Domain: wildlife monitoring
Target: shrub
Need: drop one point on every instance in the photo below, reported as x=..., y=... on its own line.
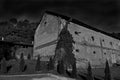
x=74, y=70
x=107, y=71
x=9, y=67
x=50, y=64
x=29, y=57
x=22, y=63
x=37, y=67
x=3, y=65
x=89, y=70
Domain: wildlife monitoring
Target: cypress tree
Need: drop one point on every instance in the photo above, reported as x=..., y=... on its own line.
x=65, y=41
x=107, y=72
x=29, y=57
x=60, y=67
x=89, y=70
x=3, y=65
x=22, y=63
x=37, y=67
x=74, y=71
x=50, y=64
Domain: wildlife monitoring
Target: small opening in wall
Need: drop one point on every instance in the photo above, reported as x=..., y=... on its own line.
x=77, y=32
x=92, y=38
x=77, y=50
x=94, y=52
x=110, y=43
x=45, y=23
x=104, y=53
x=103, y=40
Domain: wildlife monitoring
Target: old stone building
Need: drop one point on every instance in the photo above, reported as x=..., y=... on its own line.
x=11, y=49
x=91, y=44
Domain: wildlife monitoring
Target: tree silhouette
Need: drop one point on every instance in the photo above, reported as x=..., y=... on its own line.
x=3, y=65
x=89, y=70
x=22, y=63
x=107, y=71
x=37, y=67
x=50, y=64
x=65, y=41
x=60, y=67
x=28, y=56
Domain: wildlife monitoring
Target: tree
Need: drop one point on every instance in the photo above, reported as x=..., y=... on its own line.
x=65, y=41
x=37, y=67
x=107, y=71
x=22, y=63
x=60, y=67
x=13, y=20
x=89, y=70
x=3, y=65
x=50, y=64
x=74, y=70
x=29, y=57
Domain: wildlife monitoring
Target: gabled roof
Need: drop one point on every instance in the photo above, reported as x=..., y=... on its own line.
x=80, y=23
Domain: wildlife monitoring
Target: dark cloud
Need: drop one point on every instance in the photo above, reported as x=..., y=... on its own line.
x=103, y=13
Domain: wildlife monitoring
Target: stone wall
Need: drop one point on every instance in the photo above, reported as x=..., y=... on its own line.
x=89, y=45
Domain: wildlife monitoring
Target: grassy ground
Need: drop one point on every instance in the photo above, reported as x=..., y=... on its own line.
x=30, y=70
x=97, y=72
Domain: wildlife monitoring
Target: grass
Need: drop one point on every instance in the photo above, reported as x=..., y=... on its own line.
x=97, y=72
x=29, y=71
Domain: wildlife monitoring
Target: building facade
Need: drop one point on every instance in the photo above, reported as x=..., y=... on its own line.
x=90, y=44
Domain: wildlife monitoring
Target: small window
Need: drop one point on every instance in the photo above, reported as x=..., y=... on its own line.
x=92, y=38
x=103, y=40
x=77, y=32
x=77, y=50
x=111, y=43
x=45, y=22
x=94, y=52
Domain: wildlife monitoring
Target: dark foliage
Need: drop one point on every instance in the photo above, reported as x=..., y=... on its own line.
x=29, y=57
x=25, y=68
x=8, y=68
x=68, y=73
x=38, y=67
x=74, y=70
x=60, y=67
x=65, y=41
x=22, y=63
x=3, y=66
x=83, y=77
x=50, y=64
x=13, y=20
x=107, y=71
x=89, y=70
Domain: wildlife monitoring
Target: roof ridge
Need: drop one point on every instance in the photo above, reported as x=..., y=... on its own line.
x=80, y=23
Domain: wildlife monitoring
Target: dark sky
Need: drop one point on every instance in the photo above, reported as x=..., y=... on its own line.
x=101, y=14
